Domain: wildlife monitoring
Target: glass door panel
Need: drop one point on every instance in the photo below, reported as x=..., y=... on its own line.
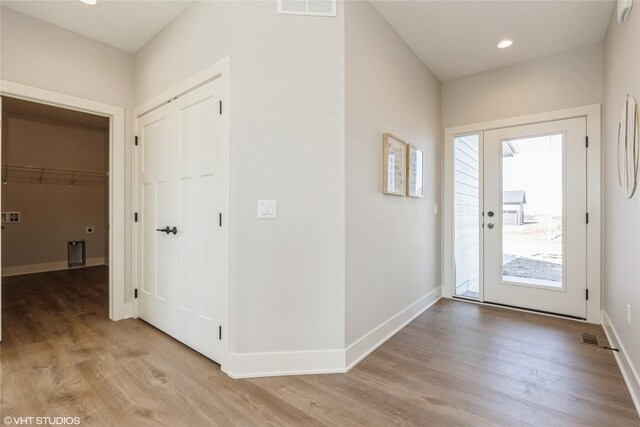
x=532, y=210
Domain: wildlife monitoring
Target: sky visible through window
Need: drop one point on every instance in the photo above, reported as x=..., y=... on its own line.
x=537, y=170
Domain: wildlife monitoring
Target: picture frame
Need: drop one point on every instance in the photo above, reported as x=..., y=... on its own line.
x=394, y=169
x=415, y=171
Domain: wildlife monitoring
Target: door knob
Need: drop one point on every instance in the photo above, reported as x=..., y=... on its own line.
x=490, y=226
x=168, y=230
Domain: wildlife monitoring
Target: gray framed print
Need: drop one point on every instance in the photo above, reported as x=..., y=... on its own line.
x=394, y=170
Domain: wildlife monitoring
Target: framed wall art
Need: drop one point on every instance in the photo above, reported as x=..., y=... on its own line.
x=415, y=172
x=394, y=169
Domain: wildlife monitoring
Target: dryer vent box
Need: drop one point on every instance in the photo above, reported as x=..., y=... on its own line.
x=76, y=254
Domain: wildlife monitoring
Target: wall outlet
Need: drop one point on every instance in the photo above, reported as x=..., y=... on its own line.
x=629, y=314
x=89, y=229
x=10, y=217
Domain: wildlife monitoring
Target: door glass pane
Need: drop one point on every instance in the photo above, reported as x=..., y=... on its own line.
x=467, y=216
x=532, y=210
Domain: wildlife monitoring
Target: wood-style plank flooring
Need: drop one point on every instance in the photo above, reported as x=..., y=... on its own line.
x=456, y=364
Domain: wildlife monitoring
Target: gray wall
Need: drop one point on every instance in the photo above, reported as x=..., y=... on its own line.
x=621, y=216
x=569, y=79
x=52, y=214
x=287, y=143
x=392, y=243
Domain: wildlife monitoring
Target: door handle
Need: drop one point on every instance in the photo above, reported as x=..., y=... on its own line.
x=490, y=226
x=168, y=230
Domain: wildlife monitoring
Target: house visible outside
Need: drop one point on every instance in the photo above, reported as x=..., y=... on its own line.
x=513, y=207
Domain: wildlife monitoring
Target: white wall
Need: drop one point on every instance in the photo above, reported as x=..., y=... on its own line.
x=392, y=243
x=621, y=216
x=287, y=143
x=41, y=55
x=569, y=79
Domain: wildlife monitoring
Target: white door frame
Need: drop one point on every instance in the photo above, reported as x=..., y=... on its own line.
x=118, y=309
x=592, y=113
x=218, y=70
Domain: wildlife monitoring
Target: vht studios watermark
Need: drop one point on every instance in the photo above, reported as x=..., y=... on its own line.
x=41, y=421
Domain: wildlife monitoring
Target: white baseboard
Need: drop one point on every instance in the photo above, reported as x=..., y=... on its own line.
x=626, y=366
x=251, y=365
x=43, y=268
x=374, y=339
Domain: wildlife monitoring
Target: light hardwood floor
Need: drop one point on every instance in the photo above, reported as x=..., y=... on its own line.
x=456, y=364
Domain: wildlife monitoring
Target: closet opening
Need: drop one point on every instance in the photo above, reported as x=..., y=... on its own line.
x=55, y=219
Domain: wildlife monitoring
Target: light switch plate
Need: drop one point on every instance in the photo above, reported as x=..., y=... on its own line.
x=267, y=209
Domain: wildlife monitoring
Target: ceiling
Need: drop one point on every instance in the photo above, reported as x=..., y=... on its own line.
x=459, y=38
x=127, y=25
x=32, y=110
x=453, y=38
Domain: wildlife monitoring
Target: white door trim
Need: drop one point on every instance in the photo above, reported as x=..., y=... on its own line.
x=592, y=113
x=219, y=69
x=118, y=309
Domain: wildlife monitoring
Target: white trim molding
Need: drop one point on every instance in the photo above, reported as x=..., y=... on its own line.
x=364, y=346
x=252, y=365
x=629, y=372
x=18, y=270
x=593, y=116
x=116, y=177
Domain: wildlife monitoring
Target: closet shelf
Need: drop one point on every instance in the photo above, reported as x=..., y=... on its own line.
x=40, y=174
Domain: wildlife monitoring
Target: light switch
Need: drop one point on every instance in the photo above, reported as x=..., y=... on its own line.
x=267, y=209
x=435, y=209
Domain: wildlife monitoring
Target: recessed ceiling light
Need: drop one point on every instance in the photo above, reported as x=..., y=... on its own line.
x=89, y=2
x=504, y=44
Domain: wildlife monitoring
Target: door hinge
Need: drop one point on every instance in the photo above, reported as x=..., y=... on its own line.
x=135, y=141
x=587, y=294
x=135, y=217
x=135, y=293
x=220, y=219
x=586, y=140
x=219, y=332
x=587, y=217
x=220, y=107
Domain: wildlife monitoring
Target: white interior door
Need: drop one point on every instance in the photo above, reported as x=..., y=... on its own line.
x=1, y=209
x=535, y=217
x=184, y=193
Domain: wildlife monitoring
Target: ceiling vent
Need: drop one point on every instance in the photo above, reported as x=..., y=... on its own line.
x=307, y=7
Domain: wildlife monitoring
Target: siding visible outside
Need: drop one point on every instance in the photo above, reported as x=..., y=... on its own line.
x=467, y=215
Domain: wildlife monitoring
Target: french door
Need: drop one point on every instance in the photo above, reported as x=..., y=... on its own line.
x=183, y=196
x=520, y=217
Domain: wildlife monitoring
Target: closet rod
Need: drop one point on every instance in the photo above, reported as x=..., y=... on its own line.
x=57, y=170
